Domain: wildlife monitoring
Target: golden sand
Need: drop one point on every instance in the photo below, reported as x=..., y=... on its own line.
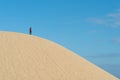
x=26, y=57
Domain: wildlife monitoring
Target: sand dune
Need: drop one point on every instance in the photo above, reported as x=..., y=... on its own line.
x=26, y=57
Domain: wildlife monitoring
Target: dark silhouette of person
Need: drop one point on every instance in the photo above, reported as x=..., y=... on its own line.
x=30, y=31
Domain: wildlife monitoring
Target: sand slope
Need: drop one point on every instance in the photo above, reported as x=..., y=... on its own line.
x=25, y=57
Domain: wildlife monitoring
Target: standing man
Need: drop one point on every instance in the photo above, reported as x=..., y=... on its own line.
x=30, y=31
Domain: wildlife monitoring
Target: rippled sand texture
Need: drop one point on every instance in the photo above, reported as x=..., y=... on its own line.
x=26, y=57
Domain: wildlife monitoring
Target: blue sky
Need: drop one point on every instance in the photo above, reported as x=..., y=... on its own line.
x=91, y=28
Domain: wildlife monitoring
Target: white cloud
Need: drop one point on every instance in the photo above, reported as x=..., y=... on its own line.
x=93, y=31
x=117, y=40
x=114, y=15
x=106, y=55
x=111, y=19
x=95, y=20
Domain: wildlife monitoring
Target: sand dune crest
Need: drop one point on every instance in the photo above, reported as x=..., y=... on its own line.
x=26, y=57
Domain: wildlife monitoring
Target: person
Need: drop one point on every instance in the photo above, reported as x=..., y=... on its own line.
x=30, y=31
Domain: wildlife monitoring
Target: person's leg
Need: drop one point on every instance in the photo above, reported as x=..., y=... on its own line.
x=30, y=32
